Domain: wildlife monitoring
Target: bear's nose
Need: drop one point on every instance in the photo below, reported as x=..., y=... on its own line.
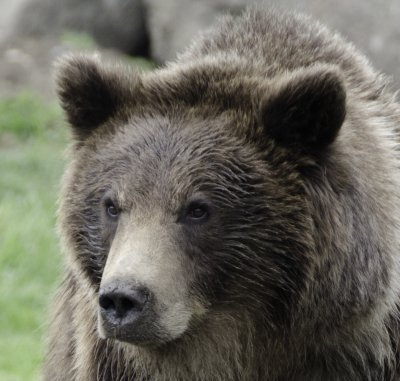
x=122, y=304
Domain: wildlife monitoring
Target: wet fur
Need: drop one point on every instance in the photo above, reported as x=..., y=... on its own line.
x=325, y=307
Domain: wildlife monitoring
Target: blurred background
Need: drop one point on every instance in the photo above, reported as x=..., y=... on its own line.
x=33, y=136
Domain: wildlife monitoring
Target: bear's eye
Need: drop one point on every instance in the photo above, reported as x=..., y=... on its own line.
x=111, y=209
x=197, y=212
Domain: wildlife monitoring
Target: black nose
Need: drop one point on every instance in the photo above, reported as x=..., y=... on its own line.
x=121, y=303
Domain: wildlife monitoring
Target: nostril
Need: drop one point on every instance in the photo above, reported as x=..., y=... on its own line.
x=126, y=305
x=121, y=304
x=106, y=302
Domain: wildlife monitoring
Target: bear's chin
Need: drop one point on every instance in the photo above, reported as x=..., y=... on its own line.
x=142, y=342
x=145, y=340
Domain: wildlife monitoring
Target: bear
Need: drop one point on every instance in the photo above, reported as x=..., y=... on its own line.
x=232, y=215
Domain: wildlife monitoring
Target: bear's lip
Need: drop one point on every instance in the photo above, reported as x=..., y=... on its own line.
x=140, y=339
x=143, y=332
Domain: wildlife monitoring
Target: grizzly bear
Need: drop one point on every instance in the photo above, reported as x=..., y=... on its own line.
x=234, y=215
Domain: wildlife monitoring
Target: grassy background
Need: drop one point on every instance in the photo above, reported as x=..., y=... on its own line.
x=32, y=142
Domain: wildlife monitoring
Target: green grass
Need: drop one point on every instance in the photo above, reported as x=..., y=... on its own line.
x=79, y=40
x=26, y=116
x=32, y=141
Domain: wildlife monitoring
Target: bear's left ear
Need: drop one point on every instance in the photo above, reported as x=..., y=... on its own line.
x=91, y=92
x=306, y=108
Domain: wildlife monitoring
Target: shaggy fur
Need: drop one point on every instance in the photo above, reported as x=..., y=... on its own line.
x=291, y=137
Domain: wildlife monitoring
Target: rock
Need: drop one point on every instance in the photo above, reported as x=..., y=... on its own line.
x=173, y=23
x=8, y=13
x=26, y=65
x=120, y=24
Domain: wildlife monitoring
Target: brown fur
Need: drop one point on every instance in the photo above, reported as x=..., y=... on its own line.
x=293, y=137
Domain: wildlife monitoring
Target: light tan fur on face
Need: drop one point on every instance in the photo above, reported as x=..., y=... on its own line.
x=145, y=255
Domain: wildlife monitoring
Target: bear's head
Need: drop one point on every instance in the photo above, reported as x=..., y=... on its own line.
x=185, y=199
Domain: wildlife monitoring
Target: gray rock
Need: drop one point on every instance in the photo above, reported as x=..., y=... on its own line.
x=120, y=24
x=8, y=12
x=173, y=23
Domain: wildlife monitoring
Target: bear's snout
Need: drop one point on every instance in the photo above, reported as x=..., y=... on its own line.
x=124, y=307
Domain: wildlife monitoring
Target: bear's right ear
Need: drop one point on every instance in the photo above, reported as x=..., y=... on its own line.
x=90, y=92
x=306, y=108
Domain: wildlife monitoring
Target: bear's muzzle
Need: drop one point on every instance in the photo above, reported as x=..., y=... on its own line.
x=126, y=312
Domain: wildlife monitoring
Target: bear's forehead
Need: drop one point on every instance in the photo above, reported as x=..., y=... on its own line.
x=166, y=144
x=169, y=160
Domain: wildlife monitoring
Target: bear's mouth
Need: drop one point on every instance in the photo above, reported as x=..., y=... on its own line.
x=143, y=331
